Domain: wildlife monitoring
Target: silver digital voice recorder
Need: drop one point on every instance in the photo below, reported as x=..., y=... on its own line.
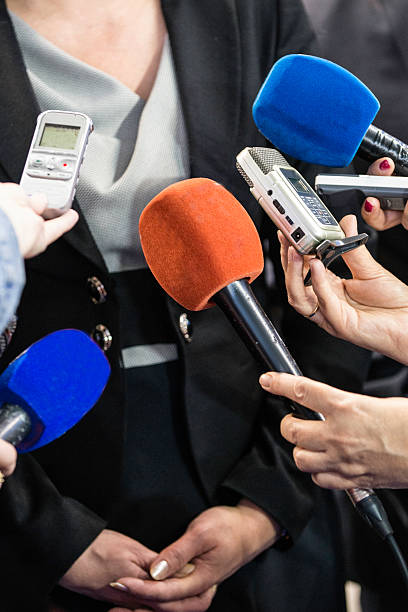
x=287, y=199
x=55, y=157
x=293, y=206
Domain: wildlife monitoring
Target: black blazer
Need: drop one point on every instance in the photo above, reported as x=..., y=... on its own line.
x=59, y=498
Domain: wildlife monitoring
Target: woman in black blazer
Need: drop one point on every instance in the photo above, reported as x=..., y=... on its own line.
x=61, y=499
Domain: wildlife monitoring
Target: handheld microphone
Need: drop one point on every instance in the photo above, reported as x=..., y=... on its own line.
x=203, y=249
x=47, y=389
x=319, y=112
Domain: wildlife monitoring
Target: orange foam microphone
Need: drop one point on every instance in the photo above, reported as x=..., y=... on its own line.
x=203, y=249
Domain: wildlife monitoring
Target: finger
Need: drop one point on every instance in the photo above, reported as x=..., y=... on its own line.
x=329, y=305
x=173, y=558
x=382, y=167
x=312, y=461
x=306, y=434
x=300, y=297
x=333, y=480
x=378, y=218
x=38, y=202
x=55, y=228
x=349, y=225
x=284, y=246
x=360, y=261
x=170, y=589
x=185, y=571
x=309, y=393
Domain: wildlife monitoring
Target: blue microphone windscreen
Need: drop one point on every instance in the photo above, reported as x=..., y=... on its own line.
x=56, y=381
x=314, y=110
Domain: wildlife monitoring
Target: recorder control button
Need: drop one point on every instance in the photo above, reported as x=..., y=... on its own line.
x=66, y=165
x=37, y=161
x=51, y=163
x=297, y=234
x=279, y=206
x=32, y=172
x=289, y=220
x=63, y=175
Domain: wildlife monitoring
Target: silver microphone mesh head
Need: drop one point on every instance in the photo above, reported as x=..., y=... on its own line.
x=267, y=158
x=244, y=175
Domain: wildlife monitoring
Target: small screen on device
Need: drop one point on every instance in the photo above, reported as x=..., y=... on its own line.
x=298, y=184
x=59, y=136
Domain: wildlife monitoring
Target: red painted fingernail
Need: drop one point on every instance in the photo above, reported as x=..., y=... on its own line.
x=385, y=165
x=368, y=207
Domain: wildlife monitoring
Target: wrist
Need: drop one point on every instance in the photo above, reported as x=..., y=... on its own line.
x=261, y=529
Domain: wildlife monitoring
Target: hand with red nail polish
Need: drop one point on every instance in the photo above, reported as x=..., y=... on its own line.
x=372, y=212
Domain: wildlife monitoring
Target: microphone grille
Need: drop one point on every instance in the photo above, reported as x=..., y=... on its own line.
x=244, y=175
x=267, y=158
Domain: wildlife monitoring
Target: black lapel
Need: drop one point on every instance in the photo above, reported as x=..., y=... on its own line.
x=397, y=15
x=204, y=37
x=18, y=115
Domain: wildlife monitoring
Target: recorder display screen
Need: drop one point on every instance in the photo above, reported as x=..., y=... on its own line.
x=59, y=136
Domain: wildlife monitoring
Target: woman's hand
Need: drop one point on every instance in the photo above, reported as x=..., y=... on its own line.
x=217, y=542
x=371, y=211
x=370, y=310
x=363, y=441
x=34, y=233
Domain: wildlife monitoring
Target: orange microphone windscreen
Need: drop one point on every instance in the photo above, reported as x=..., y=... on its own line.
x=197, y=239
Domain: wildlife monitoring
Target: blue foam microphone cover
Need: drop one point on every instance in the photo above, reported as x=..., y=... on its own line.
x=56, y=381
x=314, y=110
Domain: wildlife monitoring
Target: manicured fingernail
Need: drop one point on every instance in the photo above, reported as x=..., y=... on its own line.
x=385, y=164
x=368, y=207
x=265, y=380
x=159, y=571
x=185, y=571
x=118, y=586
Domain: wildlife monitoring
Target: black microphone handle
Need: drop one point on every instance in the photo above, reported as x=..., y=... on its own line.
x=377, y=143
x=243, y=310
x=241, y=307
x=15, y=423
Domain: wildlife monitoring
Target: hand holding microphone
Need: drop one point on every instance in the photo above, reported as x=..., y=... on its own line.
x=202, y=247
x=362, y=442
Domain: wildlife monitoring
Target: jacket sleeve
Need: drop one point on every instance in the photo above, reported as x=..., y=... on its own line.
x=35, y=520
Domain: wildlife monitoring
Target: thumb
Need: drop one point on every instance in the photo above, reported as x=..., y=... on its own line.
x=359, y=261
x=382, y=167
x=174, y=560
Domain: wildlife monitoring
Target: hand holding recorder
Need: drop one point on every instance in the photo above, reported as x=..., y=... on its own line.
x=370, y=309
x=33, y=232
